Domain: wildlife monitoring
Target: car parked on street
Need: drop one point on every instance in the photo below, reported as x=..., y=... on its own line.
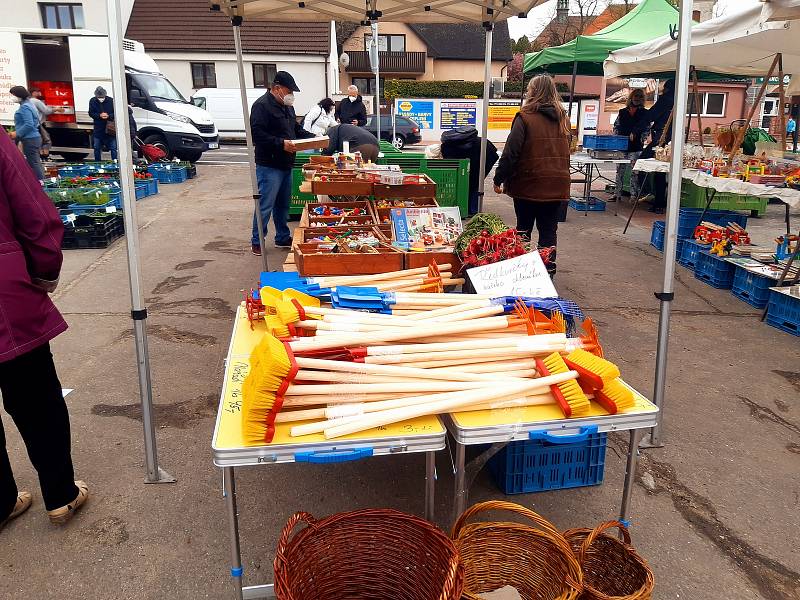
x=406, y=131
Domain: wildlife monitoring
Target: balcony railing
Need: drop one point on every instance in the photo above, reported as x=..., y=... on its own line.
x=390, y=62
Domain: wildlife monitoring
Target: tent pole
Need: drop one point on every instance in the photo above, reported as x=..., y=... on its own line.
x=670, y=237
x=236, y=22
x=377, y=67
x=696, y=94
x=572, y=93
x=782, y=94
x=153, y=474
x=487, y=79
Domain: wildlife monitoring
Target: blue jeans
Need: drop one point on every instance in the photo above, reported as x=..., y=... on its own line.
x=31, y=148
x=275, y=187
x=109, y=141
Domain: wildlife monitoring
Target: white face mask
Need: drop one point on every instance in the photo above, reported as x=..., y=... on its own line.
x=288, y=99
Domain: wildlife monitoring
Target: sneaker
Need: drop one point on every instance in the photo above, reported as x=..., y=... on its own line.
x=255, y=249
x=283, y=244
x=60, y=516
x=24, y=501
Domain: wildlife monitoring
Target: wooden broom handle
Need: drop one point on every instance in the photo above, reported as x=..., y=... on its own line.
x=503, y=342
x=352, y=280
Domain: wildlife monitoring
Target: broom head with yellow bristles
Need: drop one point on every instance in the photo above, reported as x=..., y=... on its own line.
x=569, y=395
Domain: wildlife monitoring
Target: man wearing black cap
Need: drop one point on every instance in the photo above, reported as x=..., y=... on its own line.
x=274, y=125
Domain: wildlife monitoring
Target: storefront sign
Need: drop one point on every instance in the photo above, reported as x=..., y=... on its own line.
x=502, y=113
x=590, y=114
x=458, y=114
x=419, y=111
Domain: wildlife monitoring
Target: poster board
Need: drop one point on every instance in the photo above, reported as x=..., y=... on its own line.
x=502, y=113
x=458, y=114
x=523, y=275
x=419, y=111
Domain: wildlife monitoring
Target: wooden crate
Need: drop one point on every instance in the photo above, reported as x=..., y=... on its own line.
x=419, y=190
x=310, y=263
x=415, y=260
x=342, y=185
x=383, y=216
x=367, y=219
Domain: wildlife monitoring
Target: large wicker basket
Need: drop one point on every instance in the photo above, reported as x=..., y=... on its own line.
x=537, y=561
x=612, y=570
x=375, y=554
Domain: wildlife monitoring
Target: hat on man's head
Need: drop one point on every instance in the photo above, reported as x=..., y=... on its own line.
x=100, y=92
x=285, y=79
x=20, y=92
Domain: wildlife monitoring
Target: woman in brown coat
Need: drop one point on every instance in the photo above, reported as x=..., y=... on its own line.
x=534, y=168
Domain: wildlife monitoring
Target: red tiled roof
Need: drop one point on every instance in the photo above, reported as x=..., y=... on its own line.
x=190, y=25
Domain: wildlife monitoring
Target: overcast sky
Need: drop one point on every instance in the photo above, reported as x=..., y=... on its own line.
x=541, y=15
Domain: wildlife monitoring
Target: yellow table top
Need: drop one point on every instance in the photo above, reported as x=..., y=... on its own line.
x=245, y=339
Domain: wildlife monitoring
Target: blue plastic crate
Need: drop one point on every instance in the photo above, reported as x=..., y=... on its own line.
x=688, y=254
x=547, y=462
x=168, y=173
x=152, y=185
x=689, y=219
x=713, y=270
x=82, y=209
x=657, y=236
x=783, y=312
x=751, y=287
x=141, y=190
x=74, y=171
x=595, y=204
x=679, y=249
x=605, y=142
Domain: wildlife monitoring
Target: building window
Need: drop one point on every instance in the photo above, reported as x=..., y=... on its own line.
x=387, y=43
x=62, y=16
x=366, y=86
x=712, y=104
x=204, y=75
x=263, y=74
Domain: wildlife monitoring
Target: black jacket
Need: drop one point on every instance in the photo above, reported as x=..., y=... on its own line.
x=95, y=108
x=659, y=115
x=345, y=132
x=637, y=124
x=471, y=148
x=350, y=111
x=272, y=123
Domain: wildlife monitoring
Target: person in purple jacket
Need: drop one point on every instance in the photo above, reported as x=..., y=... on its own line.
x=30, y=263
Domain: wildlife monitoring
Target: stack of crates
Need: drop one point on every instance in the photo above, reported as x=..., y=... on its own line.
x=714, y=270
x=783, y=311
x=168, y=173
x=751, y=287
x=694, y=196
x=688, y=220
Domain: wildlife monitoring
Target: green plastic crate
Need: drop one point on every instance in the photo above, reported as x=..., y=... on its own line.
x=694, y=196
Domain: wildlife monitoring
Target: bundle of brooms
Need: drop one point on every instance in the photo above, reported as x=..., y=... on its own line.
x=349, y=373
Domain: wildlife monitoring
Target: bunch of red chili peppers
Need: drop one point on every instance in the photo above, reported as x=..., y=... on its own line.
x=487, y=249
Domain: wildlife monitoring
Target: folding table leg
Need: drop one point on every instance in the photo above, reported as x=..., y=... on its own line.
x=633, y=210
x=430, y=485
x=229, y=491
x=630, y=474
x=460, y=481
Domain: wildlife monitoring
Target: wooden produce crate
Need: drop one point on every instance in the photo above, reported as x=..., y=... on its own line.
x=415, y=260
x=342, y=185
x=310, y=260
x=410, y=190
x=308, y=217
x=382, y=214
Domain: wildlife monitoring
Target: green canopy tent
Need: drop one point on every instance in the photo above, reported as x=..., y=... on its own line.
x=585, y=54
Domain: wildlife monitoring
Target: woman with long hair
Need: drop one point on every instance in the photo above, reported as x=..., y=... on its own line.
x=534, y=168
x=632, y=122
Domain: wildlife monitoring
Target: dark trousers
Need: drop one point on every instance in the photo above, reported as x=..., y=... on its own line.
x=660, y=190
x=32, y=396
x=543, y=214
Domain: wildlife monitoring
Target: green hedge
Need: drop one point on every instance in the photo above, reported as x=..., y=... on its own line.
x=409, y=88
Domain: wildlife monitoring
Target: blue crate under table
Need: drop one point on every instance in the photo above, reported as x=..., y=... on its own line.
x=688, y=254
x=657, y=236
x=783, y=311
x=546, y=462
x=595, y=204
x=714, y=270
x=751, y=287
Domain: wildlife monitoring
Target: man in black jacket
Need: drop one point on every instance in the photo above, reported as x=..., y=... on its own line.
x=359, y=140
x=274, y=125
x=351, y=109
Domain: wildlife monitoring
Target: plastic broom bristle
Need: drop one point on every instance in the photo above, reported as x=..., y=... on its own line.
x=287, y=312
x=619, y=394
x=271, y=368
x=604, y=369
x=573, y=394
x=301, y=297
x=276, y=326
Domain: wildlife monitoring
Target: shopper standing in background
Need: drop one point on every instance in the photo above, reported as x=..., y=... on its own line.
x=26, y=130
x=320, y=118
x=352, y=110
x=274, y=125
x=632, y=122
x=101, y=109
x=44, y=112
x=30, y=263
x=534, y=167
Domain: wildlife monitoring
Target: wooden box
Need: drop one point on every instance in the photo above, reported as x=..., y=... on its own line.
x=383, y=216
x=415, y=190
x=415, y=260
x=339, y=184
x=368, y=218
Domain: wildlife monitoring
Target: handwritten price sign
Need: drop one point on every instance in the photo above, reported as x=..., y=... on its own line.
x=523, y=275
x=238, y=372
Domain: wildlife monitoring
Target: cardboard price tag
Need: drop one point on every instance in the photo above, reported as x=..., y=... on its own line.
x=111, y=209
x=523, y=275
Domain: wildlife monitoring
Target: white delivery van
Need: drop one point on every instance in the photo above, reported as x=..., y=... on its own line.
x=225, y=107
x=67, y=65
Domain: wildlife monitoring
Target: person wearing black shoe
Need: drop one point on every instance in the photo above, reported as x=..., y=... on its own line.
x=659, y=114
x=274, y=125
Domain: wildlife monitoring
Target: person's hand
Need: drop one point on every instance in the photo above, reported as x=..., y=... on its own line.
x=498, y=189
x=288, y=146
x=12, y=135
x=103, y=115
x=60, y=109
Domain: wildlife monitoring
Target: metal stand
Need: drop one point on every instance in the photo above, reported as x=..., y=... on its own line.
x=153, y=473
x=487, y=79
x=236, y=22
x=630, y=474
x=666, y=295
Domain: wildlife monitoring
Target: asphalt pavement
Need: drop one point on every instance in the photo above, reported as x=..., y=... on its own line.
x=714, y=511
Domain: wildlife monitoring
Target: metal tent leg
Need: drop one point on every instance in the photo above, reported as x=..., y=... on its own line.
x=630, y=474
x=460, y=491
x=487, y=79
x=153, y=473
x=237, y=41
x=430, y=485
x=229, y=492
x=666, y=295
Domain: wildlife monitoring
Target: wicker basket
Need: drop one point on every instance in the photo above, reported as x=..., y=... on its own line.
x=375, y=554
x=612, y=570
x=537, y=561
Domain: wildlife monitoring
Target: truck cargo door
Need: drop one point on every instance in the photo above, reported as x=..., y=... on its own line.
x=12, y=72
x=91, y=66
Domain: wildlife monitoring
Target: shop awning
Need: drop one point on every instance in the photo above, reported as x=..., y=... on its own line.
x=650, y=19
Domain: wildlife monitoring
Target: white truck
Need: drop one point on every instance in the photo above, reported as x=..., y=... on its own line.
x=67, y=65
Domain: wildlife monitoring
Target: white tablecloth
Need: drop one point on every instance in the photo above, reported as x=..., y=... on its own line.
x=723, y=184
